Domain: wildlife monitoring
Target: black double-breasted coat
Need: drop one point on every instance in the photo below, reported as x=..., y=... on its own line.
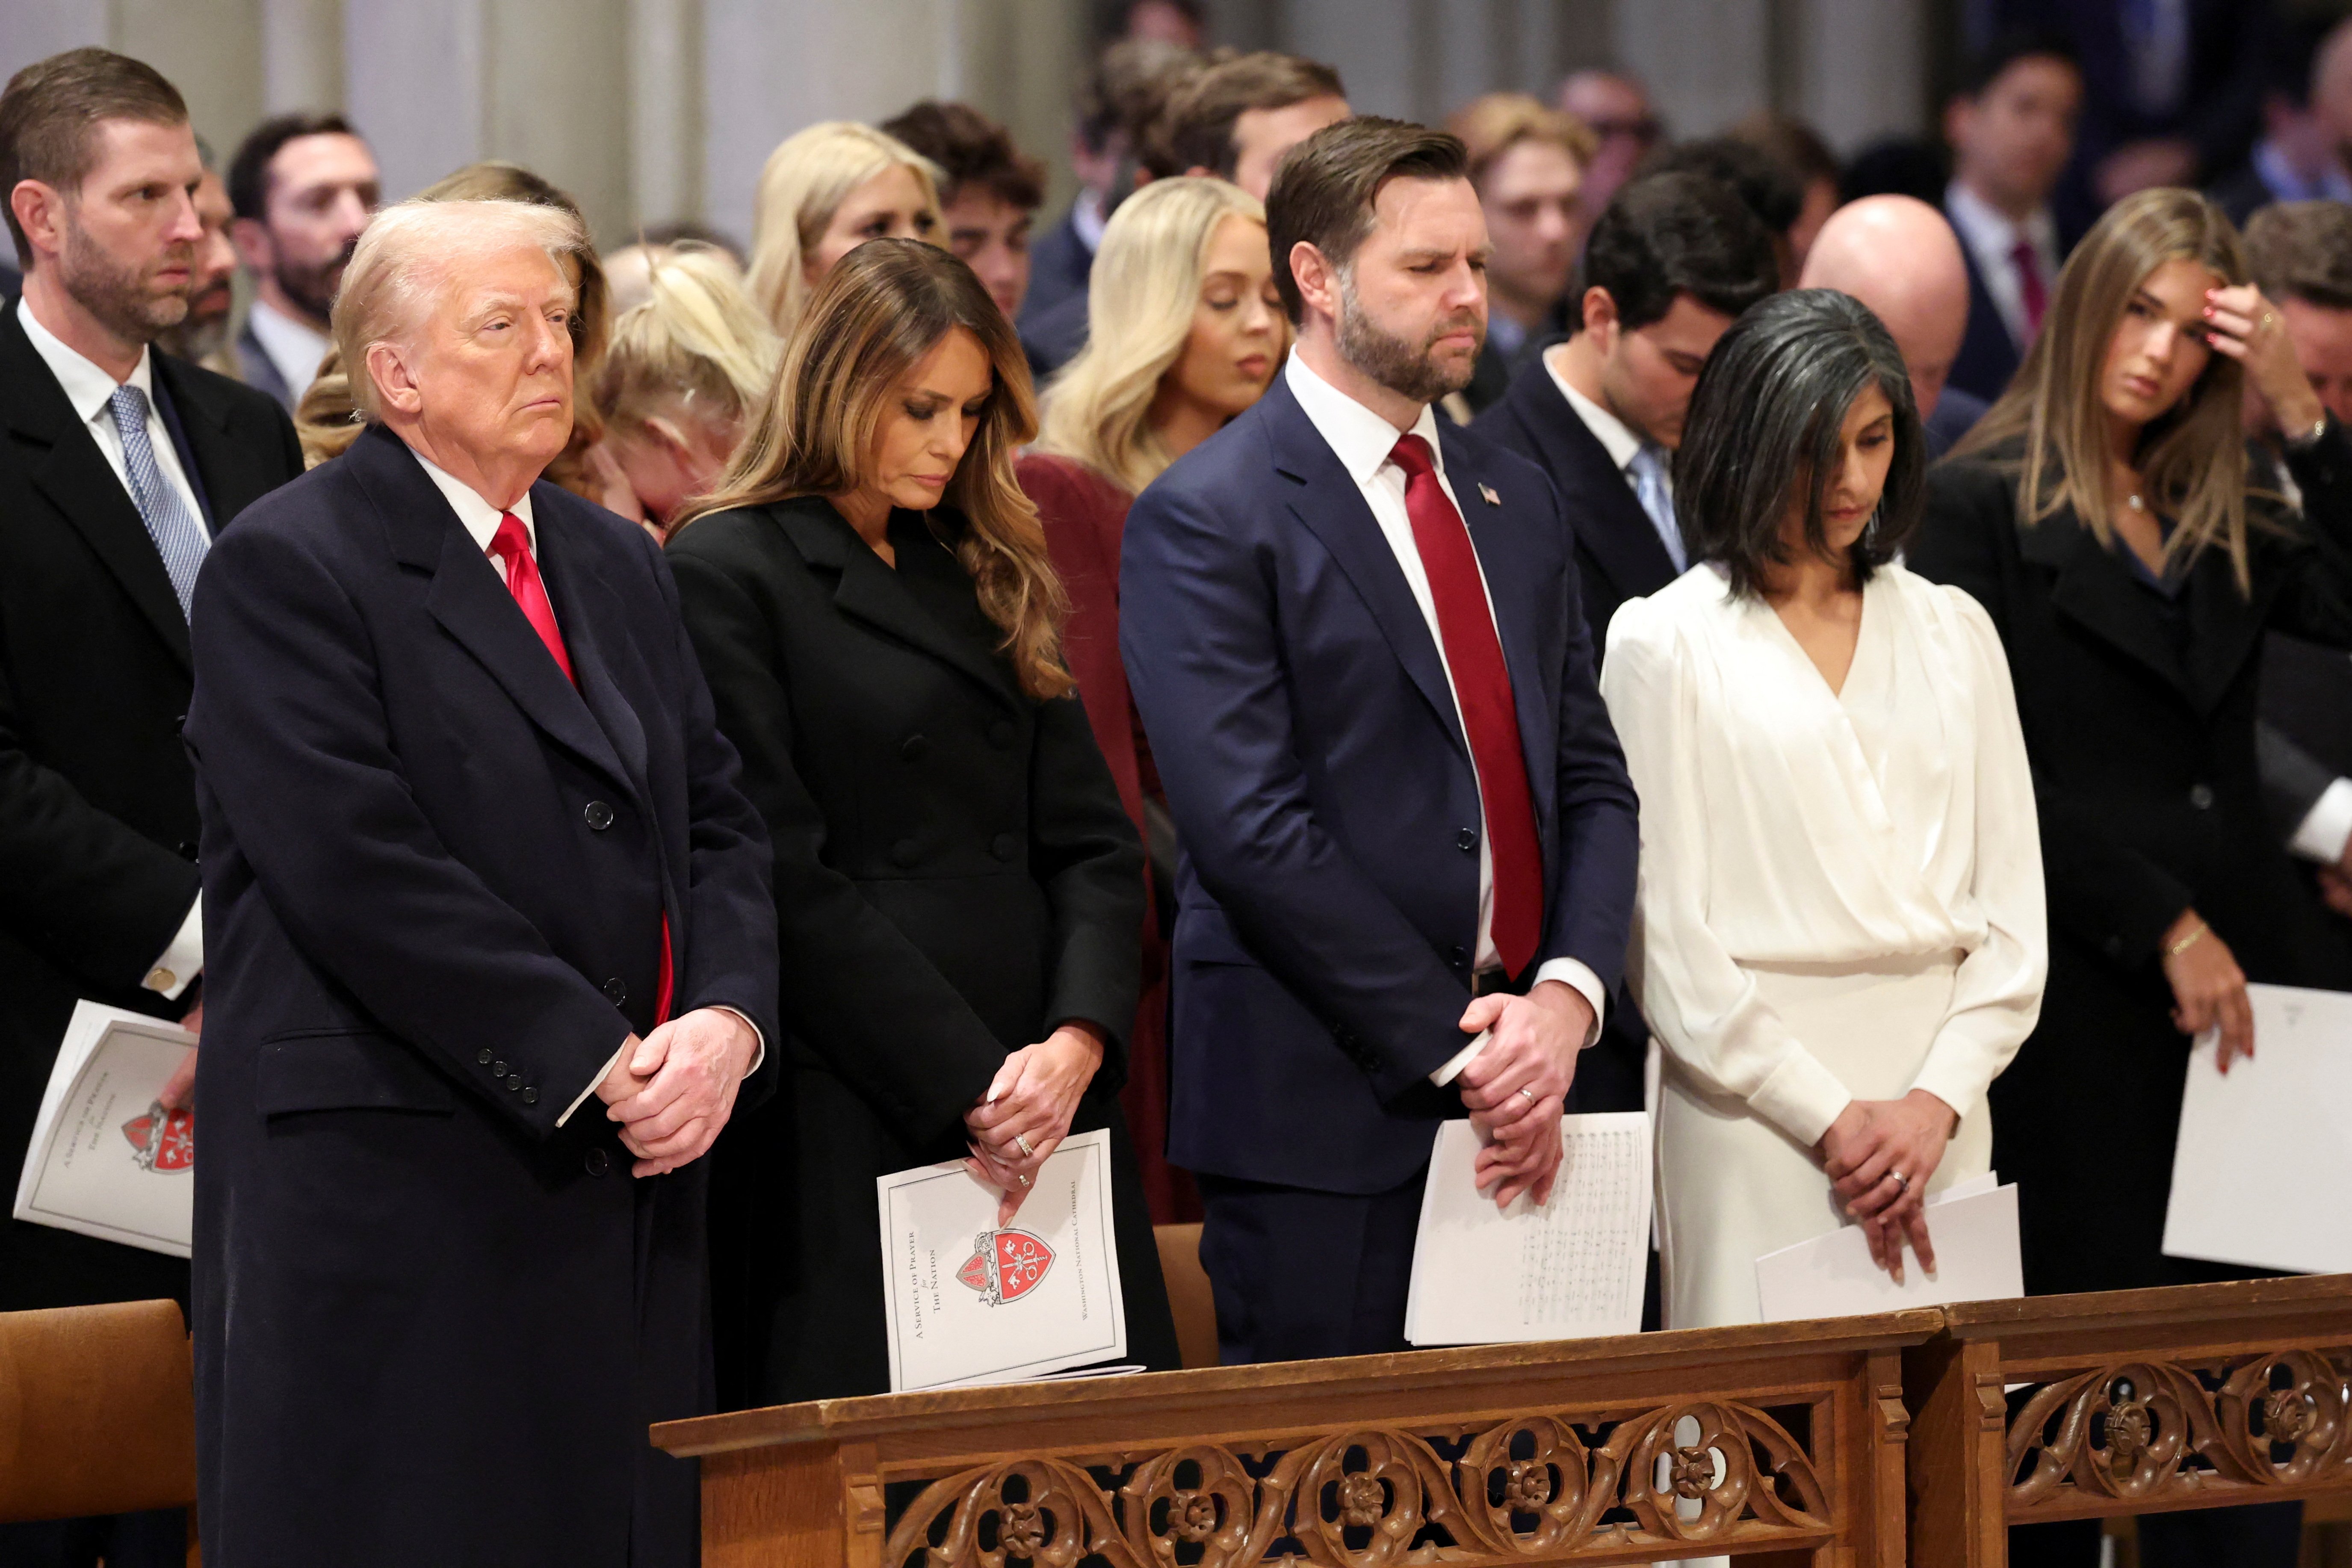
x=2139, y=716
x=954, y=878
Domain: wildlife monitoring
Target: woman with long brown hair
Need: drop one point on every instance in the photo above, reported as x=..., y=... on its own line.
x=2102, y=515
x=961, y=893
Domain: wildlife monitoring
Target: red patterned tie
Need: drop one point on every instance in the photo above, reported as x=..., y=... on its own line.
x=2030, y=294
x=511, y=545
x=1482, y=687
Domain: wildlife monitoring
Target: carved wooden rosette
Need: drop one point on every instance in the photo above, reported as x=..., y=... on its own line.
x=2146, y=1430
x=1528, y=1489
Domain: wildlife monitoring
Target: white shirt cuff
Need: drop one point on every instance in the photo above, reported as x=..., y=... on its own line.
x=1568, y=972
x=176, y=968
x=759, y=1056
x=2325, y=828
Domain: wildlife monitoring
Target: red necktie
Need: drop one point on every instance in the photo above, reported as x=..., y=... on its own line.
x=2030, y=292
x=1482, y=687
x=511, y=545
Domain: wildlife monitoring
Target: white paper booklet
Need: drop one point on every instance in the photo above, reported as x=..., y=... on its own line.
x=1973, y=1225
x=2277, y=1130
x=970, y=1303
x=106, y=1159
x=1570, y=1269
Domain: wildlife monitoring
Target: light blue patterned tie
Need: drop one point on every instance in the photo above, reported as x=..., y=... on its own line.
x=179, y=535
x=1649, y=470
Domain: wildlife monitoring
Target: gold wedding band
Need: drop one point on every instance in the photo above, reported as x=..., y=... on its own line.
x=1026, y=1151
x=2267, y=319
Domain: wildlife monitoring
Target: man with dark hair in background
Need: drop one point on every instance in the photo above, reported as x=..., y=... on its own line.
x=2012, y=128
x=1527, y=162
x=1763, y=186
x=2306, y=125
x=1409, y=864
x=1117, y=99
x=303, y=186
x=1235, y=117
x=118, y=466
x=201, y=336
x=990, y=195
x=1671, y=261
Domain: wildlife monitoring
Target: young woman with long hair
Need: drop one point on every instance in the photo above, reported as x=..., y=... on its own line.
x=2102, y=515
x=1184, y=331
x=962, y=897
x=824, y=192
x=1839, y=936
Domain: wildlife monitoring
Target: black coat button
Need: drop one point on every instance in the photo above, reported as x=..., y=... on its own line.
x=179, y=723
x=187, y=850
x=2113, y=946
x=1004, y=846
x=615, y=992
x=498, y=1069
x=2201, y=797
x=485, y=1058
x=599, y=815
x=530, y=1097
x=914, y=748
x=999, y=732
x=514, y=1083
x=1459, y=956
x=596, y=1163
x=1466, y=841
x=903, y=853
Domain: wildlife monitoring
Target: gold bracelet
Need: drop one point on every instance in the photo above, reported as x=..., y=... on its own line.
x=2186, y=943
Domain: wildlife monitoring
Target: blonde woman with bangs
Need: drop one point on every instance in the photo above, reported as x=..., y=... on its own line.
x=682, y=372
x=961, y=895
x=2102, y=515
x=1185, y=331
x=825, y=192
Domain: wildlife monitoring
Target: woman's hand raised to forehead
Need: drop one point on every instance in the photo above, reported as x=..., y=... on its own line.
x=2248, y=328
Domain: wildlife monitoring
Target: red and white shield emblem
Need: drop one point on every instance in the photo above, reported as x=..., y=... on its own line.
x=165, y=1141
x=1005, y=1265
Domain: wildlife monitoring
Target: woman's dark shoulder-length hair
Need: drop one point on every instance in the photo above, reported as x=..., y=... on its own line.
x=1767, y=416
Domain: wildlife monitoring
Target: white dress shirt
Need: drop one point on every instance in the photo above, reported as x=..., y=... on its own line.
x=1362, y=440
x=480, y=520
x=90, y=390
x=294, y=347
x=1991, y=238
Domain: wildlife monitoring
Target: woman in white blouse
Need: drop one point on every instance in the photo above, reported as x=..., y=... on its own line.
x=1839, y=938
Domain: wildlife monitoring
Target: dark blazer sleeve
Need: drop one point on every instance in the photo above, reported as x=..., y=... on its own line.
x=2114, y=898
x=290, y=739
x=853, y=988
x=1600, y=827
x=90, y=894
x=2315, y=601
x=1088, y=857
x=731, y=961
x=1198, y=625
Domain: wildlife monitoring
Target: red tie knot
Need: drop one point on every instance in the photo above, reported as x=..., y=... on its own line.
x=1412, y=455
x=510, y=540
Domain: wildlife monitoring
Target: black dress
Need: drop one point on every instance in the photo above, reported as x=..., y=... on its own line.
x=2139, y=703
x=955, y=877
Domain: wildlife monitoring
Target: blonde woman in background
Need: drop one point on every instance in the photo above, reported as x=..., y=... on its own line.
x=825, y=192
x=681, y=372
x=327, y=420
x=1184, y=331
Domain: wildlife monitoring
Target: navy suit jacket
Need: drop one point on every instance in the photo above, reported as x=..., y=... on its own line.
x=1987, y=358
x=260, y=372
x=435, y=876
x=1299, y=713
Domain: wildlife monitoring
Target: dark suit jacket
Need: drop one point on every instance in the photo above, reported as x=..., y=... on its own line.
x=1308, y=739
x=1956, y=413
x=954, y=879
x=260, y=372
x=1619, y=555
x=98, y=807
x=1988, y=357
x=432, y=1326
x=1052, y=338
x=2139, y=722
x=1059, y=267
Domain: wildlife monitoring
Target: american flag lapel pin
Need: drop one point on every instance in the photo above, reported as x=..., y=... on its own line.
x=1486, y=493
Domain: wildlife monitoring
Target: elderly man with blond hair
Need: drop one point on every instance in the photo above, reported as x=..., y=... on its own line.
x=491, y=957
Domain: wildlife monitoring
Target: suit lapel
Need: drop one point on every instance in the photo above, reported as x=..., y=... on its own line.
x=1327, y=500
x=575, y=585
x=877, y=595
x=2223, y=626
x=2095, y=590
x=1602, y=508
x=473, y=606
x=76, y=477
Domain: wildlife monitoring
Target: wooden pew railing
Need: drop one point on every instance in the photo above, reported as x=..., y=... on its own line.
x=1783, y=1443
x=2127, y=1402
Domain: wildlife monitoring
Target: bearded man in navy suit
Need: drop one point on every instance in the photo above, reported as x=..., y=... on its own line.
x=1355, y=638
